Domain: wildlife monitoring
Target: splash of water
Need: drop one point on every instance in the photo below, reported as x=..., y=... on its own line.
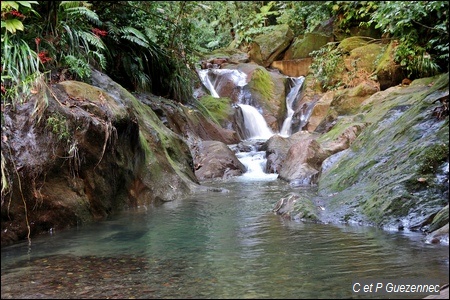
x=255, y=161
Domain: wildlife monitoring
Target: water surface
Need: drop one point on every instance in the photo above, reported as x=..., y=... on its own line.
x=215, y=245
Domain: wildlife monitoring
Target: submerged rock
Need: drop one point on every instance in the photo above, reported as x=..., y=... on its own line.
x=296, y=207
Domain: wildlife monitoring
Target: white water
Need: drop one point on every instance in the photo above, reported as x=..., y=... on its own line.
x=290, y=99
x=255, y=161
x=207, y=83
x=237, y=77
x=255, y=123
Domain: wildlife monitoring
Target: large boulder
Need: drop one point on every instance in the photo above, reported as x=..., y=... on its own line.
x=293, y=67
x=303, y=45
x=389, y=73
x=303, y=162
x=83, y=154
x=404, y=185
x=265, y=48
x=297, y=207
x=214, y=159
x=277, y=147
x=186, y=121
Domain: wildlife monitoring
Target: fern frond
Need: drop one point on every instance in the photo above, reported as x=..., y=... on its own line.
x=70, y=4
x=71, y=41
x=151, y=35
x=91, y=39
x=136, y=40
x=99, y=58
x=134, y=35
x=84, y=12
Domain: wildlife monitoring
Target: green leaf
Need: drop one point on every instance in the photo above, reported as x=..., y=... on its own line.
x=13, y=24
x=13, y=4
x=27, y=3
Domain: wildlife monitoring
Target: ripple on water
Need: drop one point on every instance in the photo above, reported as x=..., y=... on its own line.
x=214, y=245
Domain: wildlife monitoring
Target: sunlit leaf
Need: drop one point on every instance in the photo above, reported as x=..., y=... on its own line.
x=13, y=24
x=27, y=3
x=12, y=4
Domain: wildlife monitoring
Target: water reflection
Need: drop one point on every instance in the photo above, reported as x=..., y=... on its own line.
x=215, y=245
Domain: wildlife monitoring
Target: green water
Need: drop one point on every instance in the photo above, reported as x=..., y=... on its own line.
x=215, y=245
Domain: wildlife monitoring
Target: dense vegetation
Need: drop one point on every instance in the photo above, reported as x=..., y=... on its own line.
x=155, y=45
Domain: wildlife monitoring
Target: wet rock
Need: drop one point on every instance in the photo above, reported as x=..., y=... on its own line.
x=214, y=159
x=296, y=207
x=303, y=162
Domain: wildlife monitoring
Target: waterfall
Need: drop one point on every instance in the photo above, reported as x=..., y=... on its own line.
x=254, y=123
x=255, y=162
x=296, y=83
x=216, y=80
x=306, y=112
x=207, y=83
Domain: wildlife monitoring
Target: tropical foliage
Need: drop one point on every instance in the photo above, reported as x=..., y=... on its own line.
x=154, y=45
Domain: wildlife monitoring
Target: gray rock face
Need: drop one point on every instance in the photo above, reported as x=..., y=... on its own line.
x=303, y=162
x=214, y=159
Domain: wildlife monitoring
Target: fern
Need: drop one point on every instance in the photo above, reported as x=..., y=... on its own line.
x=98, y=57
x=90, y=38
x=80, y=9
x=78, y=66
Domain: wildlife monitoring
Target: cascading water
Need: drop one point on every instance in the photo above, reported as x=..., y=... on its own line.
x=216, y=80
x=296, y=83
x=254, y=160
x=207, y=83
x=255, y=126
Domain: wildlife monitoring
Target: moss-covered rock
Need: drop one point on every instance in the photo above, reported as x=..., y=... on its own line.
x=91, y=152
x=348, y=101
x=374, y=186
x=387, y=72
x=266, y=47
x=348, y=44
x=303, y=46
x=268, y=90
x=297, y=207
x=219, y=108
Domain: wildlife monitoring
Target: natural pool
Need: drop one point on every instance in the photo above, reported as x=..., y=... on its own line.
x=215, y=245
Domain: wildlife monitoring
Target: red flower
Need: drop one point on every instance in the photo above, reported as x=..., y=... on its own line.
x=37, y=40
x=16, y=14
x=99, y=32
x=43, y=57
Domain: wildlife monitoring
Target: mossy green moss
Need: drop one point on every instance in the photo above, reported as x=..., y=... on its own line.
x=388, y=173
x=262, y=83
x=433, y=157
x=348, y=44
x=219, y=109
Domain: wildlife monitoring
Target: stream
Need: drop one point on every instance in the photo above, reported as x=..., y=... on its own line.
x=218, y=245
x=215, y=245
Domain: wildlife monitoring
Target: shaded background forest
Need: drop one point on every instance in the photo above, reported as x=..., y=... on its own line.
x=155, y=46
